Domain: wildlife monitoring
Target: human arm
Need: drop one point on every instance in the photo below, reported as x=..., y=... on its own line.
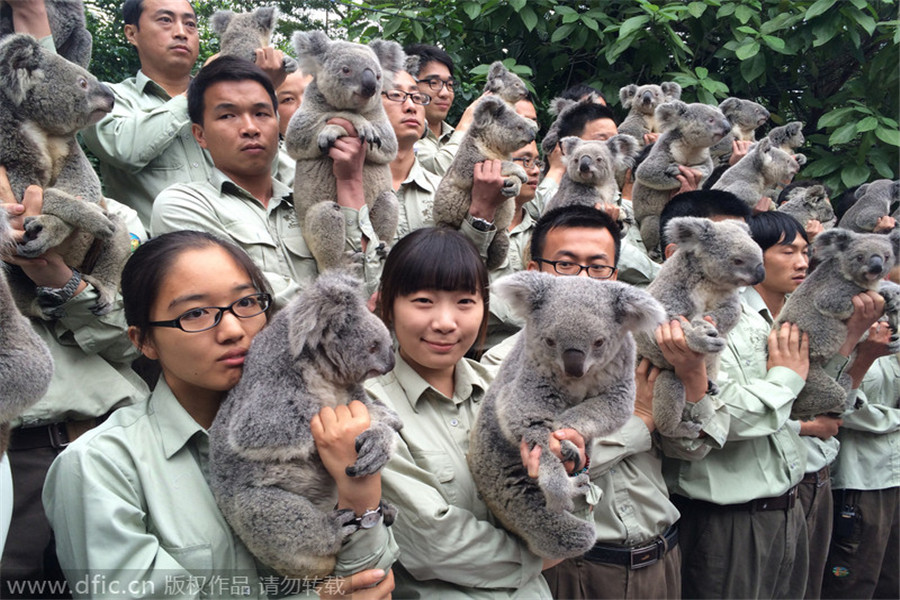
x=349, y=156
x=689, y=366
x=690, y=180
x=877, y=409
x=822, y=427
x=868, y=307
x=30, y=16
x=372, y=584
x=739, y=149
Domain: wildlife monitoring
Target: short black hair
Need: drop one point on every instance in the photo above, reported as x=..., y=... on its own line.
x=574, y=122
x=224, y=68
x=428, y=53
x=133, y=9
x=573, y=216
x=580, y=90
x=770, y=228
x=702, y=203
x=805, y=183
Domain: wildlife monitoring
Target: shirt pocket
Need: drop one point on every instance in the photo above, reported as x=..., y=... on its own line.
x=196, y=560
x=441, y=468
x=256, y=241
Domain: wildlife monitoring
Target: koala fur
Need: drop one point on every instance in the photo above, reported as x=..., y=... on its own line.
x=848, y=263
x=745, y=116
x=873, y=201
x=496, y=132
x=701, y=279
x=688, y=132
x=805, y=203
x=561, y=107
x=44, y=101
x=25, y=363
x=265, y=472
x=240, y=34
x=67, y=24
x=788, y=137
x=504, y=83
x=642, y=102
x=763, y=167
x=590, y=170
x=563, y=372
x=348, y=79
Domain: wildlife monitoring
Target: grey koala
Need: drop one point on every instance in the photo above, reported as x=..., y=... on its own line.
x=504, y=83
x=67, y=24
x=811, y=202
x=348, y=79
x=642, y=102
x=572, y=367
x=240, y=34
x=745, y=116
x=25, y=363
x=873, y=201
x=701, y=279
x=848, y=263
x=44, y=101
x=560, y=107
x=496, y=132
x=265, y=472
x=789, y=137
x=688, y=132
x=763, y=167
x=590, y=170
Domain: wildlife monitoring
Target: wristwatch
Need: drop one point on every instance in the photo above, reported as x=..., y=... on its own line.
x=50, y=298
x=479, y=224
x=368, y=519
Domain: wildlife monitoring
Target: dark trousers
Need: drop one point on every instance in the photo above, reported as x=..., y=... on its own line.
x=580, y=579
x=740, y=553
x=815, y=497
x=864, y=558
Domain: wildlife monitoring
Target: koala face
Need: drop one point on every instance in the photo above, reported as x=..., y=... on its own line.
x=863, y=258
x=348, y=75
x=777, y=165
x=48, y=90
x=594, y=162
x=505, y=83
x=699, y=125
x=500, y=128
x=815, y=198
x=723, y=251
x=744, y=114
x=787, y=136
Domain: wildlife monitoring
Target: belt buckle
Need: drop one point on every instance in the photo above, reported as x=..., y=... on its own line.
x=644, y=556
x=59, y=437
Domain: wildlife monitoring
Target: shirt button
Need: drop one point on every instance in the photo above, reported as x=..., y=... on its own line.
x=195, y=165
x=454, y=422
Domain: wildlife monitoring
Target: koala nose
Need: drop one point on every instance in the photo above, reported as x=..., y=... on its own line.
x=107, y=94
x=759, y=275
x=573, y=362
x=584, y=164
x=647, y=97
x=367, y=83
x=876, y=264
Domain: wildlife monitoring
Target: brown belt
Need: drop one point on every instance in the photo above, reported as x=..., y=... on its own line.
x=54, y=435
x=819, y=478
x=635, y=557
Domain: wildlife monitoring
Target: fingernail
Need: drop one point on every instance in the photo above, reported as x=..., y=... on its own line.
x=17, y=208
x=379, y=573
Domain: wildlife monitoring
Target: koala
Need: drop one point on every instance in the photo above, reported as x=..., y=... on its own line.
x=805, y=203
x=496, y=132
x=44, y=101
x=789, y=137
x=848, y=263
x=763, y=167
x=241, y=34
x=563, y=372
x=347, y=83
x=560, y=107
x=642, y=102
x=504, y=83
x=873, y=201
x=700, y=280
x=590, y=170
x=67, y=24
x=25, y=363
x=265, y=472
x=688, y=132
x=745, y=116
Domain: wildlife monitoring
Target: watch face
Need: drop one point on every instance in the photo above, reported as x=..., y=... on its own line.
x=370, y=519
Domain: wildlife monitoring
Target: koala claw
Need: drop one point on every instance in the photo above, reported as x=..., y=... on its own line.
x=511, y=187
x=372, y=453
x=703, y=336
x=344, y=519
x=569, y=452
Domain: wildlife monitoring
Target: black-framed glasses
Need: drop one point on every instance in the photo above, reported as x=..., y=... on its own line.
x=528, y=163
x=207, y=317
x=569, y=268
x=436, y=84
x=399, y=96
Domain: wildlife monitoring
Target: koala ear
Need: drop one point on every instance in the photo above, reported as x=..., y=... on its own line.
x=20, y=66
x=486, y=110
x=390, y=55
x=688, y=232
x=569, y=144
x=311, y=47
x=328, y=301
x=832, y=242
x=669, y=113
x=413, y=64
x=220, y=20
x=764, y=145
x=266, y=17
x=671, y=89
x=729, y=104
x=495, y=77
x=635, y=309
x=524, y=291
x=626, y=95
x=623, y=147
x=557, y=105
x=861, y=191
x=894, y=237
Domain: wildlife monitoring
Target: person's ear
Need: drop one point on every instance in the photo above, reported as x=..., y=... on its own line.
x=197, y=130
x=670, y=250
x=129, y=33
x=147, y=348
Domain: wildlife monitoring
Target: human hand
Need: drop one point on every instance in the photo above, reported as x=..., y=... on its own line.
x=271, y=61
x=739, y=149
x=822, y=427
x=765, y=204
x=372, y=584
x=487, y=184
x=644, y=378
x=531, y=459
x=868, y=307
x=813, y=228
x=884, y=224
x=612, y=210
x=650, y=138
x=465, y=121
x=689, y=179
x=30, y=16
x=788, y=347
x=689, y=366
x=876, y=343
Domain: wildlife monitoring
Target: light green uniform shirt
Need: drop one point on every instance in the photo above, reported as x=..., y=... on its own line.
x=436, y=153
x=870, y=436
x=270, y=235
x=763, y=455
x=416, y=199
x=819, y=452
x=145, y=144
x=130, y=500
x=450, y=546
x=502, y=323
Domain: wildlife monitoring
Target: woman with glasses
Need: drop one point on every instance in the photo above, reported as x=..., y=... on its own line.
x=130, y=502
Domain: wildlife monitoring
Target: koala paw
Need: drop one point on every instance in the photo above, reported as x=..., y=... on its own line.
x=36, y=239
x=702, y=336
x=569, y=452
x=712, y=388
x=581, y=484
x=345, y=521
x=328, y=136
x=373, y=450
x=511, y=187
x=370, y=135
x=672, y=171
x=382, y=250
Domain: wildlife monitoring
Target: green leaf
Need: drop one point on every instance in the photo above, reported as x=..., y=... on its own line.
x=888, y=136
x=631, y=25
x=854, y=175
x=775, y=24
x=564, y=10
x=881, y=165
x=746, y=51
x=561, y=33
x=701, y=72
x=725, y=11
x=842, y=134
x=867, y=124
x=743, y=13
x=746, y=29
x=865, y=21
x=570, y=18
x=860, y=4
x=705, y=97
x=696, y=9
x=819, y=7
x=481, y=69
x=590, y=23
x=823, y=167
x=889, y=122
x=418, y=31
x=773, y=42
x=529, y=18
x=472, y=9
x=830, y=119
x=517, y=5
x=753, y=68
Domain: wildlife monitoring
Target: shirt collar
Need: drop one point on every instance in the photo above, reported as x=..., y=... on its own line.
x=141, y=81
x=465, y=381
x=418, y=176
x=221, y=182
x=176, y=426
x=752, y=299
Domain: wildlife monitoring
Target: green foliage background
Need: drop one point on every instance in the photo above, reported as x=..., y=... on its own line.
x=833, y=64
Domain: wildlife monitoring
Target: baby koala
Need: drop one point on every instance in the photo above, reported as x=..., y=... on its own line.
x=572, y=367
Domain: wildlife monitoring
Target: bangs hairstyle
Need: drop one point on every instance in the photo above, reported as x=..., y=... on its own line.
x=770, y=228
x=144, y=272
x=432, y=258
